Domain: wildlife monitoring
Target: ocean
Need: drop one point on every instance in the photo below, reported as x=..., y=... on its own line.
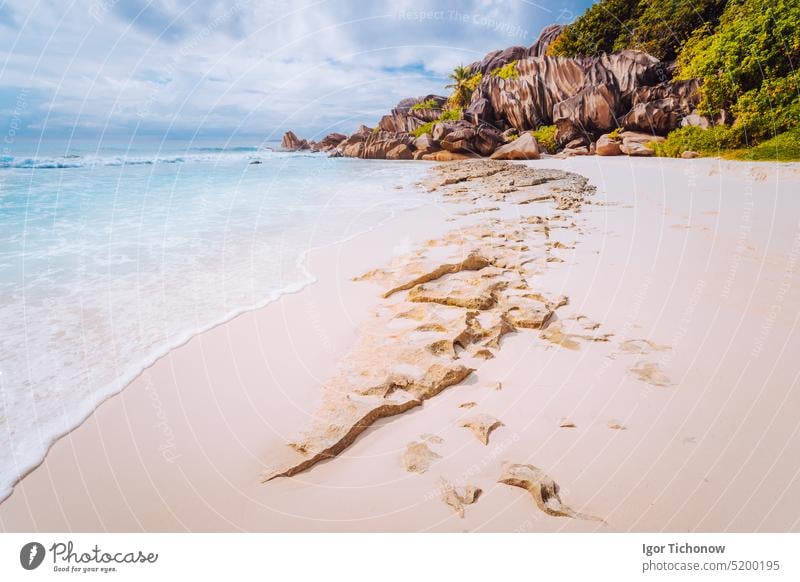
x=111, y=256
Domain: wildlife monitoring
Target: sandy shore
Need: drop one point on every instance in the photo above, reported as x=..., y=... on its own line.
x=661, y=397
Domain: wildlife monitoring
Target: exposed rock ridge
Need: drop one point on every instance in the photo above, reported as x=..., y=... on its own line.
x=584, y=97
x=445, y=308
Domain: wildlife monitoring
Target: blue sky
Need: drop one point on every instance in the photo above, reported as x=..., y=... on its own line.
x=240, y=67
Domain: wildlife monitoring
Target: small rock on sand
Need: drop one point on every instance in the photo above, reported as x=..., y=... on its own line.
x=482, y=426
x=651, y=373
x=543, y=489
x=458, y=497
x=418, y=457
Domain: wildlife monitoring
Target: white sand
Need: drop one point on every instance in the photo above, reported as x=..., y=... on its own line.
x=701, y=256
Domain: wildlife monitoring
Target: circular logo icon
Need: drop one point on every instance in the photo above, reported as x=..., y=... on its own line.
x=31, y=555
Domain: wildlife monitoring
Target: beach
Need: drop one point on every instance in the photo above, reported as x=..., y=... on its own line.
x=652, y=387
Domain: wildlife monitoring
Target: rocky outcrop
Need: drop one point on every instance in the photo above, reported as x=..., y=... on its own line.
x=499, y=58
x=330, y=141
x=659, y=109
x=465, y=137
x=408, y=115
x=292, y=143
x=353, y=146
x=546, y=37
x=587, y=95
x=585, y=98
x=380, y=145
x=525, y=147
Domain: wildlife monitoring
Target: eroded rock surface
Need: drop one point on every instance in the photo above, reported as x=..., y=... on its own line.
x=459, y=497
x=445, y=308
x=418, y=456
x=482, y=426
x=542, y=488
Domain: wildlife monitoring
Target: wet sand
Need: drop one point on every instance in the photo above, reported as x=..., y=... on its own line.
x=659, y=396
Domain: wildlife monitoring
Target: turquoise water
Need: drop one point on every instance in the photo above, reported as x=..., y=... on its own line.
x=110, y=258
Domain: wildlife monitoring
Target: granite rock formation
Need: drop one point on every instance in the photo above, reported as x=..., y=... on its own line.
x=586, y=98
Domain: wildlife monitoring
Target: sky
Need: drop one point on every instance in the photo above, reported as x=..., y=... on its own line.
x=187, y=68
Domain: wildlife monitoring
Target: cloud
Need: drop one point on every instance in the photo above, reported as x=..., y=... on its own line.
x=245, y=66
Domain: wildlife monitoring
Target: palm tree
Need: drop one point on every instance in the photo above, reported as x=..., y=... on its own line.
x=461, y=92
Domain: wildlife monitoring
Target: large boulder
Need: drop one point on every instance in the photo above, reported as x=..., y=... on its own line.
x=378, y=145
x=638, y=144
x=660, y=116
x=500, y=58
x=463, y=136
x=694, y=119
x=400, y=152
x=486, y=139
x=426, y=144
x=608, y=145
x=459, y=138
x=292, y=143
x=479, y=110
x=660, y=108
x=590, y=111
x=446, y=156
x=525, y=147
x=546, y=37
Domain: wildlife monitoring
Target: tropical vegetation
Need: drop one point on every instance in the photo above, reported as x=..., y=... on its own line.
x=745, y=52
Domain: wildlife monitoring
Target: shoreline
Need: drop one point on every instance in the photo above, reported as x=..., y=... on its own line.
x=139, y=368
x=350, y=307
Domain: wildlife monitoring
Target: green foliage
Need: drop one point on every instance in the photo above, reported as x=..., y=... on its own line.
x=772, y=108
x=713, y=141
x=463, y=93
x=546, y=136
x=596, y=30
x=658, y=27
x=727, y=142
x=507, y=71
x=512, y=136
x=746, y=65
x=782, y=148
x=423, y=129
x=449, y=114
x=661, y=27
x=745, y=52
x=427, y=104
x=463, y=85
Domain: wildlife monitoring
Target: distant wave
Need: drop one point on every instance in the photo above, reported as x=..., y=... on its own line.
x=204, y=154
x=230, y=149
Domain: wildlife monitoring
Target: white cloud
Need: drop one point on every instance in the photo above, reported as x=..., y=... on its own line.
x=256, y=66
